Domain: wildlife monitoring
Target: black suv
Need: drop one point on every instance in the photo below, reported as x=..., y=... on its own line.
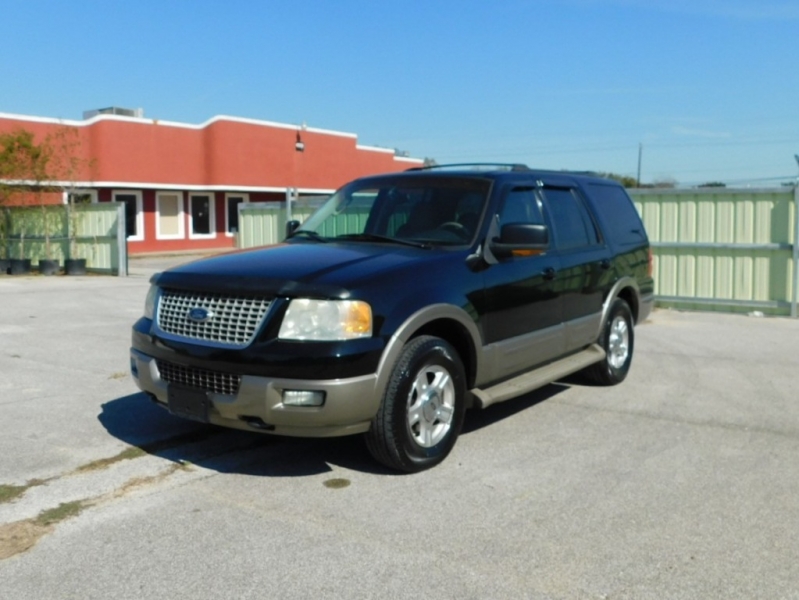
x=404, y=300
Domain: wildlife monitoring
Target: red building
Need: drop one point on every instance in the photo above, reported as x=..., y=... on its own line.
x=182, y=183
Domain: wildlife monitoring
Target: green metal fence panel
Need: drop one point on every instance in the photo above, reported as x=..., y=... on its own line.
x=264, y=223
x=96, y=232
x=347, y=223
x=36, y=232
x=92, y=231
x=305, y=206
x=716, y=249
x=261, y=224
x=722, y=249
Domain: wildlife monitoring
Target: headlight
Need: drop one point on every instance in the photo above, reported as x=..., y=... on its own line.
x=149, y=303
x=326, y=320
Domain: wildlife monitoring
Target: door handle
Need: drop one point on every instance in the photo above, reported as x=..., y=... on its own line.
x=549, y=273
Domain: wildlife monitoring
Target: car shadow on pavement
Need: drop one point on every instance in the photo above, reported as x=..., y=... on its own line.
x=137, y=421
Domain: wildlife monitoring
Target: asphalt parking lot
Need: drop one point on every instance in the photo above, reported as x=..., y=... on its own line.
x=683, y=482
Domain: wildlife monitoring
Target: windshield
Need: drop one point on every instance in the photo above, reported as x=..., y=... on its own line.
x=425, y=210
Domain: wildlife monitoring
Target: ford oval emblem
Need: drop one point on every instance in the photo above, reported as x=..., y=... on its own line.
x=200, y=314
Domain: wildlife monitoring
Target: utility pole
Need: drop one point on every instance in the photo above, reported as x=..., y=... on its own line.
x=795, y=299
x=640, y=152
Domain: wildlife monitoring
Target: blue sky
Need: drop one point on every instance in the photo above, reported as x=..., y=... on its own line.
x=709, y=88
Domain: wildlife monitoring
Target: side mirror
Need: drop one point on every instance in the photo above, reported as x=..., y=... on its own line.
x=520, y=239
x=291, y=227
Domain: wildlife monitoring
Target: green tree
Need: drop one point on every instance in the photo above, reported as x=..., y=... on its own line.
x=66, y=167
x=626, y=180
x=23, y=164
x=23, y=171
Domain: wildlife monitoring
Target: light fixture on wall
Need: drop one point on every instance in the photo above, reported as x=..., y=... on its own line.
x=299, y=145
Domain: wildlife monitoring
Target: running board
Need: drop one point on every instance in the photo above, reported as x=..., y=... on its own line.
x=527, y=382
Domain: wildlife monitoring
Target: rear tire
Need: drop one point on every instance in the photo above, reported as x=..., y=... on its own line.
x=617, y=341
x=423, y=407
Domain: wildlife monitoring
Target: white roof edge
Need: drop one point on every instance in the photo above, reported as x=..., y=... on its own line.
x=168, y=186
x=50, y=120
x=416, y=161
x=374, y=149
x=275, y=124
x=149, y=121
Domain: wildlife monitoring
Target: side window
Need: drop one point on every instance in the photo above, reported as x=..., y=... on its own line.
x=521, y=206
x=618, y=214
x=570, y=219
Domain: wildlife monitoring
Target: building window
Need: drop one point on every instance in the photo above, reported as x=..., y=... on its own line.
x=81, y=197
x=169, y=219
x=201, y=216
x=232, y=202
x=134, y=215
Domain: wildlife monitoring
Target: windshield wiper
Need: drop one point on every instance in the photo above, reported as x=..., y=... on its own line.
x=310, y=235
x=373, y=237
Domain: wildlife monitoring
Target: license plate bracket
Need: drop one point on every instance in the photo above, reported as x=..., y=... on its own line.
x=189, y=403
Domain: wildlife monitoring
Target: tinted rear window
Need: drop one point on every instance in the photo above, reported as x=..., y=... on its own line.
x=617, y=214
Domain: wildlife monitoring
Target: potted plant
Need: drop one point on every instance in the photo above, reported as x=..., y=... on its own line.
x=5, y=262
x=18, y=264
x=47, y=220
x=23, y=169
x=66, y=164
x=72, y=264
x=48, y=265
x=14, y=151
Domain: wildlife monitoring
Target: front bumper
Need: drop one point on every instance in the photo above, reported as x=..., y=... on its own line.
x=350, y=403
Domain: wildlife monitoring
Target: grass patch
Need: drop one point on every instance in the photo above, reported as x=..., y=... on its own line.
x=126, y=454
x=63, y=511
x=150, y=448
x=9, y=493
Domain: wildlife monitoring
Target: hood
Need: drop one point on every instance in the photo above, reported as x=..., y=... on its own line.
x=300, y=268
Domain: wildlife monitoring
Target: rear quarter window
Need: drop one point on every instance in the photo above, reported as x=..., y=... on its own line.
x=617, y=214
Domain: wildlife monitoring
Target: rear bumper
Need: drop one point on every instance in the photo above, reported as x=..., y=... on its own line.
x=349, y=405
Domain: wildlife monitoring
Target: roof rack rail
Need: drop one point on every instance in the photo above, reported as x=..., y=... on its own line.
x=481, y=166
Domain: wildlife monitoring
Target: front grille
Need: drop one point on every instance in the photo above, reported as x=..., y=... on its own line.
x=210, y=381
x=231, y=320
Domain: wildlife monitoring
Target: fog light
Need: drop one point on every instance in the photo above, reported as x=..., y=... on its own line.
x=303, y=398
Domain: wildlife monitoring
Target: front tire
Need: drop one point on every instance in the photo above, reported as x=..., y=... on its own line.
x=617, y=340
x=423, y=407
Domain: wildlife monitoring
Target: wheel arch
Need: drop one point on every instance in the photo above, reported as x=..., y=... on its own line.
x=630, y=296
x=450, y=323
x=625, y=288
x=458, y=337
